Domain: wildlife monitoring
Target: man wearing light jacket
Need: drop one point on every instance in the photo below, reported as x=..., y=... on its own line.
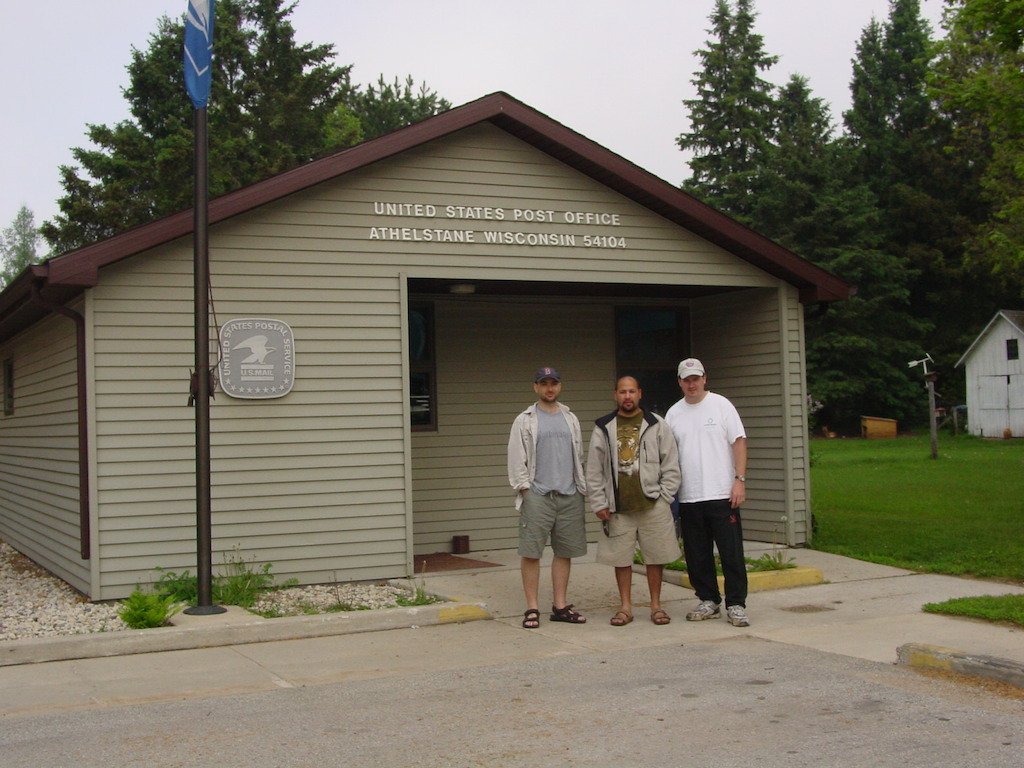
x=632, y=478
x=545, y=467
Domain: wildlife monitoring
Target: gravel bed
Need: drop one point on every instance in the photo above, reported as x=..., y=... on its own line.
x=295, y=601
x=35, y=603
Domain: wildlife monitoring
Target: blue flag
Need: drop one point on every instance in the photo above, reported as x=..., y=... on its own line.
x=198, y=50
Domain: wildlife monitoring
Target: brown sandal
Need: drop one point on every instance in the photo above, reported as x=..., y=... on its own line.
x=621, y=619
x=531, y=619
x=567, y=615
x=660, y=618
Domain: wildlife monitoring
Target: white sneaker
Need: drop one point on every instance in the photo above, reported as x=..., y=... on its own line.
x=705, y=610
x=738, y=616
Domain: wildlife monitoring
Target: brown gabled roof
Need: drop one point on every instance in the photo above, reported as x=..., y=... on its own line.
x=62, y=277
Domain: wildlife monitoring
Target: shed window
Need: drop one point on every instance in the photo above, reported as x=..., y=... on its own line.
x=649, y=343
x=422, y=367
x=8, y=387
x=1012, y=350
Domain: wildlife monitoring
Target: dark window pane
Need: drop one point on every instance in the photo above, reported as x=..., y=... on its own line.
x=421, y=399
x=649, y=343
x=648, y=334
x=420, y=331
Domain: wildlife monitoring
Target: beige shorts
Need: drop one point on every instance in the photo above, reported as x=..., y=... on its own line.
x=654, y=531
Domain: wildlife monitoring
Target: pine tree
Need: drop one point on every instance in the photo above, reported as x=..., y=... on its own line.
x=808, y=201
x=731, y=119
x=927, y=197
x=387, y=107
x=274, y=104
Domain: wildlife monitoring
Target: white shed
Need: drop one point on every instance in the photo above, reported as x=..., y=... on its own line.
x=995, y=377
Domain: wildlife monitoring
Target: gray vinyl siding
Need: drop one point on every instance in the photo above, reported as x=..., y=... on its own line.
x=312, y=482
x=796, y=431
x=738, y=338
x=39, y=488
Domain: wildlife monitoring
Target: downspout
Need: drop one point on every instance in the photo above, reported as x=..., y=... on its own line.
x=84, y=531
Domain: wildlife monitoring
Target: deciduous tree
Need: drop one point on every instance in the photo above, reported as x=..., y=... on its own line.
x=18, y=245
x=978, y=80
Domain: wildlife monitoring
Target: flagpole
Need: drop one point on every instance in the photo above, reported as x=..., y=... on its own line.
x=201, y=282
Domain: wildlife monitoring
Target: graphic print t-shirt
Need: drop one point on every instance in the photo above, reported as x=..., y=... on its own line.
x=627, y=438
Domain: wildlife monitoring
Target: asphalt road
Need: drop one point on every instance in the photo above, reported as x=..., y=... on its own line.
x=736, y=703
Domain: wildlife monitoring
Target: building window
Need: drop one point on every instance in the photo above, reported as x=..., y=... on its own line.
x=1012, y=350
x=422, y=367
x=8, y=387
x=649, y=343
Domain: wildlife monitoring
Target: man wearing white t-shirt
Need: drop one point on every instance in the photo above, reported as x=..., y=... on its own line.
x=713, y=460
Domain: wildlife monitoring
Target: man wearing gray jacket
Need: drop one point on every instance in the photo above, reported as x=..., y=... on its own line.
x=545, y=467
x=632, y=478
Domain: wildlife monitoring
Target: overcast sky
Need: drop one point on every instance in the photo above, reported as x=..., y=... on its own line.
x=614, y=71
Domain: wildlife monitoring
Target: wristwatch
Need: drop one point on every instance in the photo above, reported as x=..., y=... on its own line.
x=741, y=478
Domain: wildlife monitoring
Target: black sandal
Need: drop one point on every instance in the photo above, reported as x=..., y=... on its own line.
x=567, y=615
x=531, y=619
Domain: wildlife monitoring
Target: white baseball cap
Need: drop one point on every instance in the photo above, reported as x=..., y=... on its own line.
x=691, y=366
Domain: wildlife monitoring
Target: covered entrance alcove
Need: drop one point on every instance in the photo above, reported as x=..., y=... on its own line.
x=488, y=337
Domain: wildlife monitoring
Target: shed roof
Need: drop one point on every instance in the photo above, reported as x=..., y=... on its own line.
x=62, y=277
x=1015, y=317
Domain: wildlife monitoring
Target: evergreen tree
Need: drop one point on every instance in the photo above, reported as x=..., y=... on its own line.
x=389, y=107
x=927, y=197
x=274, y=104
x=731, y=119
x=18, y=244
x=796, y=169
x=806, y=200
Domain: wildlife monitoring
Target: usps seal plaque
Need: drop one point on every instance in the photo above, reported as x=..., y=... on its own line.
x=257, y=358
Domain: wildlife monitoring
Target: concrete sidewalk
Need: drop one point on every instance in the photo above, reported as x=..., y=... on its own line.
x=862, y=610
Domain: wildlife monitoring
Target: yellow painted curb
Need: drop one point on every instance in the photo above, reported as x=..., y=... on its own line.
x=801, y=576
x=461, y=613
x=926, y=656
x=930, y=656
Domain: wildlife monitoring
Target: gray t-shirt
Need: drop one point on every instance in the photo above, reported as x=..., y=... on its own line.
x=554, y=455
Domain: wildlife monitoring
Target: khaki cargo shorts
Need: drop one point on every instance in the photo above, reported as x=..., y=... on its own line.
x=654, y=531
x=554, y=515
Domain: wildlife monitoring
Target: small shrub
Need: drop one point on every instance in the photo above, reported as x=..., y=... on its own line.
x=144, y=610
x=770, y=561
x=182, y=587
x=420, y=597
x=240, y=583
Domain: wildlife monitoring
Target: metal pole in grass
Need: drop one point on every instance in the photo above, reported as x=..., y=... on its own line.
x=929, y=383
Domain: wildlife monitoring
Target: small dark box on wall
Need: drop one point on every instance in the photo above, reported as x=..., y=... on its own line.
x=460, y=545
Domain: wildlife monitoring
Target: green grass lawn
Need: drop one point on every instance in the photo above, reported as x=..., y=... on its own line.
x=888, y=501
